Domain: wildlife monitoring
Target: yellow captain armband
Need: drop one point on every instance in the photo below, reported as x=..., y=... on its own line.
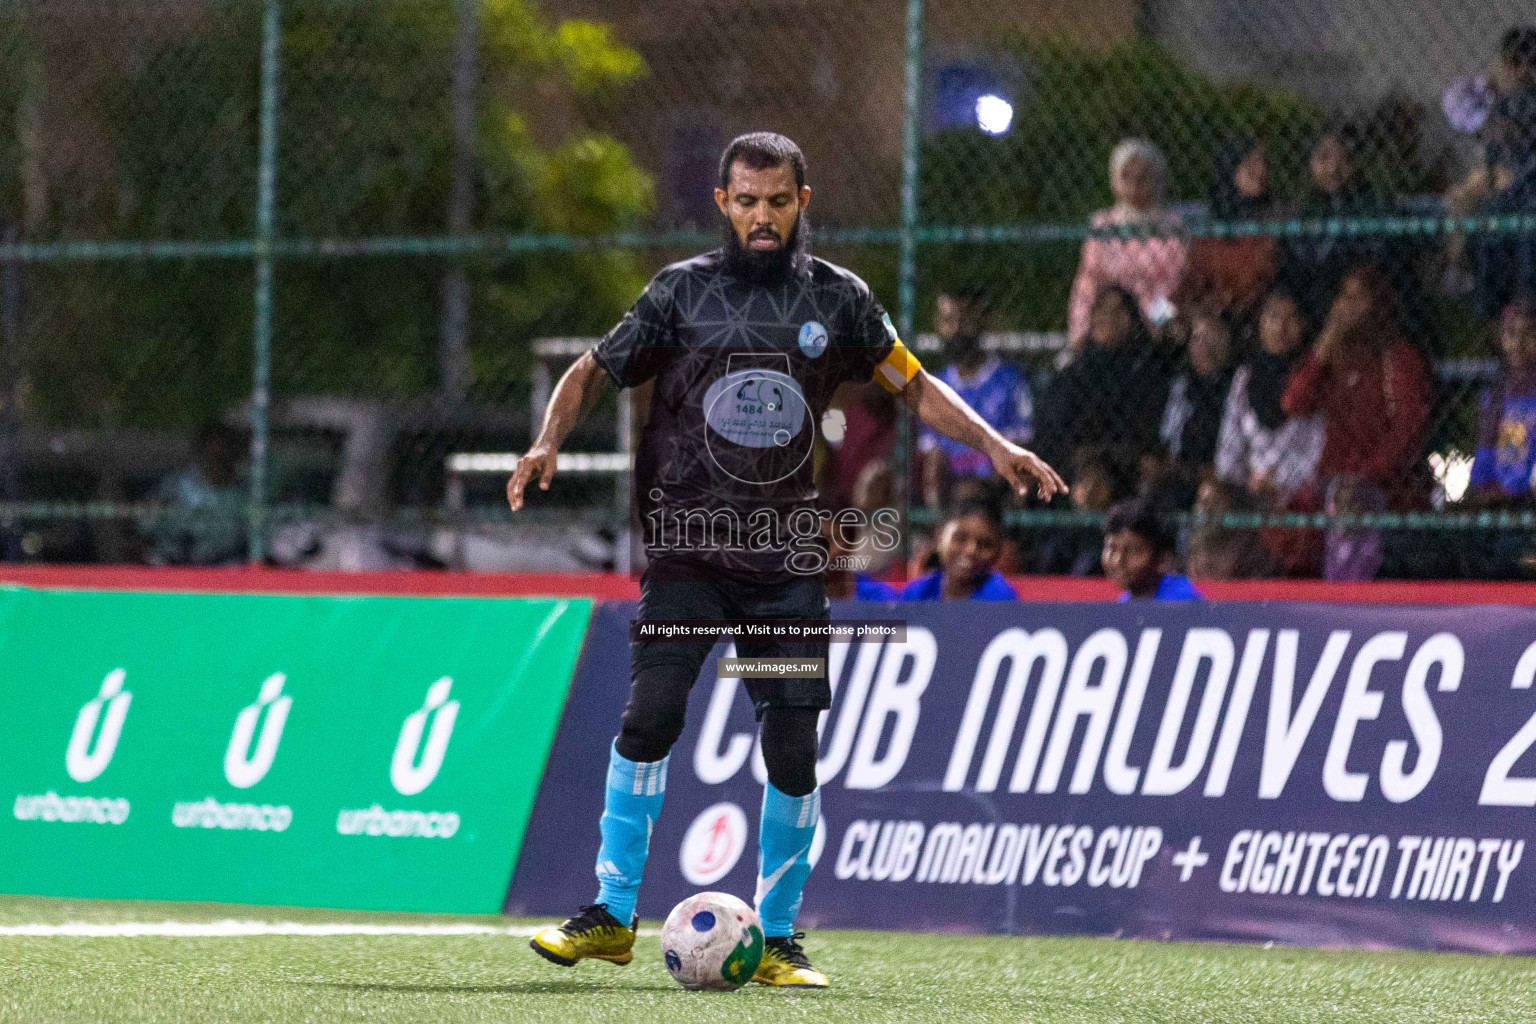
x=897, y=369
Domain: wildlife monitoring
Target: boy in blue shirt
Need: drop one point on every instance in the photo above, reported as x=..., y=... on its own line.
x=998, y=391
x=969, y=544
x=1139, y=544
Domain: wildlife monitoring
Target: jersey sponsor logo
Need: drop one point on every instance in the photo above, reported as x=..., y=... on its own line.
x=412, y=769
x=713, y=843
x=246, y=764
x=85, y=759
x=813, y=339
x=760, y=429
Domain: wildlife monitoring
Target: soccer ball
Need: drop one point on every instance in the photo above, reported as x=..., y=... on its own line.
x=712, y=941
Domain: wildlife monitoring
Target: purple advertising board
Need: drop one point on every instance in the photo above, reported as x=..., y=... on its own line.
x=1315, y=774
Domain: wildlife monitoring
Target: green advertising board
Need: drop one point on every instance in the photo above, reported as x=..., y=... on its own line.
x=373, y=753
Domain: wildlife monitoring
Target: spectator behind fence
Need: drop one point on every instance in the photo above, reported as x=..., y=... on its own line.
x=1371, y=387
x=204, y=523
x=1230, y=275
x=1218, y=551
x=868, y=437
x=968, y=547
x=1504, y=468
x=1470, y=107
x=1506, y=436
x=1272, y=455
x=1313, y=266
x=1097, y=483
x=998, y=391
x=1192, y=416
x=1354, y=553
x=1260, y=448
x=1140, y=541
x=1149, y=268
x=1114, y=393
x=1506, y=261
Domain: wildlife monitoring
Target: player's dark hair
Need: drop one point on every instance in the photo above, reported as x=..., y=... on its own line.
x=1147, y=520
x=759, y=151
x=987, y=510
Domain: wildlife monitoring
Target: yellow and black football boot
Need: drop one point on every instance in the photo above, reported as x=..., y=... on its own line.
x=784, y=965
x=594, y=934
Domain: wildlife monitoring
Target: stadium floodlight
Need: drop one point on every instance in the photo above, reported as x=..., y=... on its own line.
x=994, y=115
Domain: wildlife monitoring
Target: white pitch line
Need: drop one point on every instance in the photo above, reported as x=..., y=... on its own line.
x=237, y=929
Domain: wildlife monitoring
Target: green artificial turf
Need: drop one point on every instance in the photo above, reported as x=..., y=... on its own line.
x=876, y=977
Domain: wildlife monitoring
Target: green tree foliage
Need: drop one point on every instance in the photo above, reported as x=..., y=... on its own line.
x=365, y=150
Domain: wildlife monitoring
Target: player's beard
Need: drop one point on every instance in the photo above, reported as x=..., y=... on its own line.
x=773, y=266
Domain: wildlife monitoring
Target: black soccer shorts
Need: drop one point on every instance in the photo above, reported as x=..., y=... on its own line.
x=694, y=593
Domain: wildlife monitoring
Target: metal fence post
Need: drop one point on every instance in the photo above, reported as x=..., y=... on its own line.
x=907, y=268
x=266, y=196
x=453, y=331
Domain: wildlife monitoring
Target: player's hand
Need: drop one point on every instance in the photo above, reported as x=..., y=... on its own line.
x=538, y=461
x=1020, y=467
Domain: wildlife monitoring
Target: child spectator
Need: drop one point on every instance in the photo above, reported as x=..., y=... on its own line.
x=1506, y=436
x=968, y=546
x=1220, y=552
x=1097, y=483
x=1354, y=553
x=1504, y=468
x=1149, y=268
x=998, y=391
x=1139, y=547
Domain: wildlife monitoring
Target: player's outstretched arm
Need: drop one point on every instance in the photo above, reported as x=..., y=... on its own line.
x=574, y=395
x=936, y=404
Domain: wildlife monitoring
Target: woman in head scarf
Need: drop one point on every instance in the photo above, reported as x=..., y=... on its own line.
x=1230, y=275
x=1370, y=385
x=1150, y=267
x=1261, y=449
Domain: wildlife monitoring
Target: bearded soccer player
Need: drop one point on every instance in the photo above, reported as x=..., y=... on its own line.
x=746, y=345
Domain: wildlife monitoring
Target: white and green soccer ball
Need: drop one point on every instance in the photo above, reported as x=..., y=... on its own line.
x=712, y=941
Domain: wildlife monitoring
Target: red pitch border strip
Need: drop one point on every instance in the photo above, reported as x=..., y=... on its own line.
x=615, y=587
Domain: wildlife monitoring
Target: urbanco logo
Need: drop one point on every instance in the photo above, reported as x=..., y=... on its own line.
x=412, y=769
x=84, y=759
x=242, y=767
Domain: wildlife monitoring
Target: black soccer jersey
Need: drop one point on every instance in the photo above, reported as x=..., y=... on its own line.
x=743, y=374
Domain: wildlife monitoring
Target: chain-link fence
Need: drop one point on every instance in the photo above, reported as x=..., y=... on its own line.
x=289, y=279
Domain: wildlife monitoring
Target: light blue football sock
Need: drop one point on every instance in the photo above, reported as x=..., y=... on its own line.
x=784, y=863
x=630, y=809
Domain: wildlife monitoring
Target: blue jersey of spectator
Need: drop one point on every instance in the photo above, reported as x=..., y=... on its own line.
x=931, y=588
x=1172, y=588
x=1000, y=394
x=867, y=588
x=1506, y=450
